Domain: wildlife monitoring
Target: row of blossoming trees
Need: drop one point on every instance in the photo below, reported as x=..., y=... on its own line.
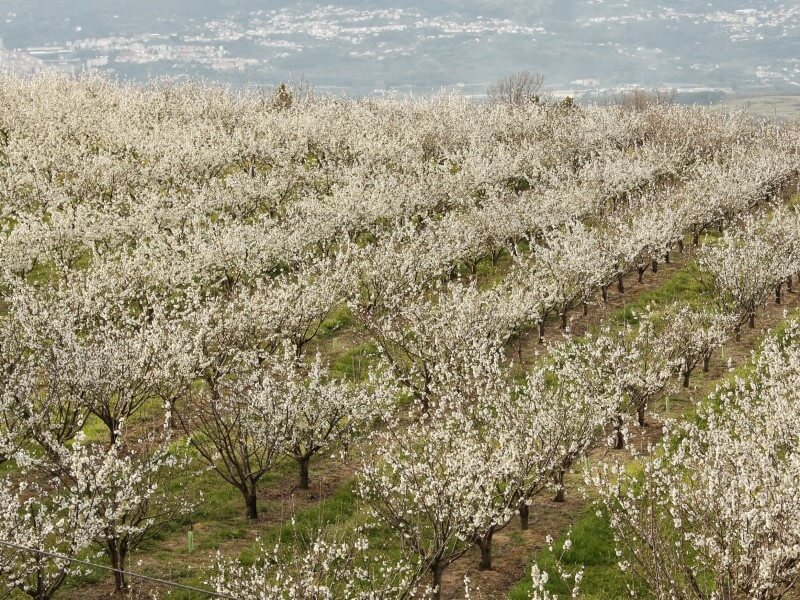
x=171, y=260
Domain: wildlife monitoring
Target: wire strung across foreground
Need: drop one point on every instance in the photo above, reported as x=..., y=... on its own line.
x=112, y=569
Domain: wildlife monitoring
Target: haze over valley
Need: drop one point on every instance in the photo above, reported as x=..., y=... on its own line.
x=581, y=47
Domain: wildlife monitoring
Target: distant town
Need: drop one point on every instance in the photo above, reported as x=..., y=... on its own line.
x=264, y=45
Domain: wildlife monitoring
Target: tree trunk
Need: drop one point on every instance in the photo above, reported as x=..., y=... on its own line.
x=303, y=463
x=686, y=375
x=666, y=257
x=706, y=361
x=251, y=501
x=778, y=293
x=174, y=424
x=620, y=285
x=641, y=271
x=564, y=320
x=113, y=429
x=117, y=558
x=752, y=320
x=437, y=568
x=640, y=415
x=655, y=266
x=696, y=238
x=541, y=332
x=559, y=479
x=738, y=333
x=620, y=442
x=789, y=283
x=119, y=582
x=524, y=517
x=604, y=293
x=485, y=544
x=585, y=308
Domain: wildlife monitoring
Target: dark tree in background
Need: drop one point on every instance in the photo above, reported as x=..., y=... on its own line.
x=517, y=89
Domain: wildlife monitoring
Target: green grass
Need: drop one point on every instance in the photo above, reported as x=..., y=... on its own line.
x=683, y=287
x=292, y=536
x=219, y=518
x=488, y=275
x=592, y=549
x=302, y=526
x=780, y=106
x=354, y=363
x=339, y=318
x=593, y=543
x=43, y=273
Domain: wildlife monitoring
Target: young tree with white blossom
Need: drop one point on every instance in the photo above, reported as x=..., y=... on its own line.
x=711, y=515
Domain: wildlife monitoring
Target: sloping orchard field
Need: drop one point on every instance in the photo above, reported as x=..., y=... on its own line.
x=296, y=347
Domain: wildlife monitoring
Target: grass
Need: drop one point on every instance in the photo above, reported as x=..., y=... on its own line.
x=218, y=521
x=339, y=318
x=302, y=526
x=488, y=275
x=339, y=516
x=683, y=287
x=780, y=106
x=354, y=364
x=592, y=549
x=593, y=544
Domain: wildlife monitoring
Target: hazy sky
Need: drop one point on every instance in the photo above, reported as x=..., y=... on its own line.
x=421, y=45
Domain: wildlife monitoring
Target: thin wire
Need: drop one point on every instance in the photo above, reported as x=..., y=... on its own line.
x=137, y=575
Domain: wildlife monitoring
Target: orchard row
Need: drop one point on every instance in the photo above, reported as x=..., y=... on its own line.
x=174, y=260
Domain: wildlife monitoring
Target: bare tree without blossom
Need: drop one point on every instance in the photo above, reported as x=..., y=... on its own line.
x=516, y=89
x=641, y=99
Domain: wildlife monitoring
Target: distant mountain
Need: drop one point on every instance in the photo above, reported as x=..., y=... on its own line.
x=361, y=46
